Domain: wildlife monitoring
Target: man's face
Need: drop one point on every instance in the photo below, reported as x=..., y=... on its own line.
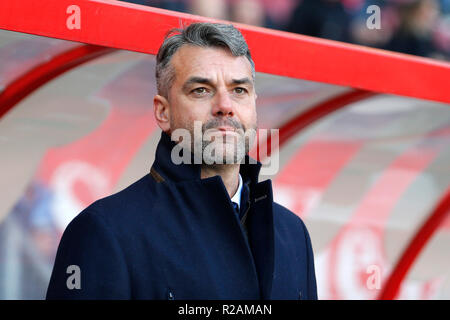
x=216, y=88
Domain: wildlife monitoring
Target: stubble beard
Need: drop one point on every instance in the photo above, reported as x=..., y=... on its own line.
x=218, y=148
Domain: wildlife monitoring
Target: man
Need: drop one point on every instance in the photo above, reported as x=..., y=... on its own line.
x=204, y=228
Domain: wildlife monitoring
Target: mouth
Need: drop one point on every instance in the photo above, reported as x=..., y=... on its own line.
x=226, y=129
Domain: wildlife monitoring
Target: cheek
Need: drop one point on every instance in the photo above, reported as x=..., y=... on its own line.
x=249, y=118
x=184, y=112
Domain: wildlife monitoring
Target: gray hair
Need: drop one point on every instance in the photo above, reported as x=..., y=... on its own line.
x=199, y=34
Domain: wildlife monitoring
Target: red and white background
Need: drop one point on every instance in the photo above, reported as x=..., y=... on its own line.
x=364, y=142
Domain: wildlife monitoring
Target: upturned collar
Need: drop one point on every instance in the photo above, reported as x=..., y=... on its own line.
x=168, y=170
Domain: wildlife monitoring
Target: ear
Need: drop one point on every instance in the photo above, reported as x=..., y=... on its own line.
x=161, y=109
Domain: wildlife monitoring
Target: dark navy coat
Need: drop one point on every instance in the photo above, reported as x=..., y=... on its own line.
x=172, y=235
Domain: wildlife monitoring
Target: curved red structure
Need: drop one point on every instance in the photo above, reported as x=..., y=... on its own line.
x=315, y=113
x=319, y=111
x=369, y=71
x=114, y=24
x=414, y=248
x=48, y=70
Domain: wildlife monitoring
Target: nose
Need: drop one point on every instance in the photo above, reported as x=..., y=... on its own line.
x=222, y=104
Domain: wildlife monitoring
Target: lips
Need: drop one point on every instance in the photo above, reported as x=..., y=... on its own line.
x=226, y=129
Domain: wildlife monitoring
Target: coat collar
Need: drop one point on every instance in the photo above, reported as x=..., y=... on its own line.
x=168, y=170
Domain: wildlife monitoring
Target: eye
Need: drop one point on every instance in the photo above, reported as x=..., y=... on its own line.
x=200, y=91
x=240, y=90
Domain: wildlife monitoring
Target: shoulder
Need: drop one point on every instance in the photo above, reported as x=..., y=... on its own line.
x=91, y=245
x=120, y=208
x=109, y=219
x=288, y=223
x=286, y=216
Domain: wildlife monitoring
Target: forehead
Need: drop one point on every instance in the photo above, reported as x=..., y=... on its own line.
x=191, y=60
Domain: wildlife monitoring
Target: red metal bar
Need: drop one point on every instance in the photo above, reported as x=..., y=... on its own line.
x=414, y=248
x=41, y=74
x=316, y=113
x=141, y=28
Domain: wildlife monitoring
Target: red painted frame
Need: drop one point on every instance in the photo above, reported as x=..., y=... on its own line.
x=23, y=85
x=114, y=24
x=313, y=114
x=319, y=111
x=414, y=248
x=321, y=60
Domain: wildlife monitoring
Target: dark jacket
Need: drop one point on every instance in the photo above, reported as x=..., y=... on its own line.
x=172, y=235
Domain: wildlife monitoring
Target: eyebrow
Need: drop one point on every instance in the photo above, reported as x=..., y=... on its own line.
x=201, y=80
x=245, y=80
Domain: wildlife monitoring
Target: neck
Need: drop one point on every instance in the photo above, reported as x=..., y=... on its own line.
x=228, y=172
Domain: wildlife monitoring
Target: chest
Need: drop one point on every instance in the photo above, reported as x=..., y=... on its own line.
x=197, y=249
